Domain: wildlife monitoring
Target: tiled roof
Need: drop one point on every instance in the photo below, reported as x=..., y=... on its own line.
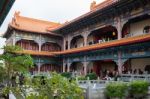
x=32, y=25
x=94, y=9
x=103, y=4
x=124, y=41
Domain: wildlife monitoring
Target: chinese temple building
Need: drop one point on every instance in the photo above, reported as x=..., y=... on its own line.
x=114, y=35
x=5, y=6
x=32, y=35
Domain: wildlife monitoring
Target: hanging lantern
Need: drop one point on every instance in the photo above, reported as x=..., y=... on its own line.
x=113, y=33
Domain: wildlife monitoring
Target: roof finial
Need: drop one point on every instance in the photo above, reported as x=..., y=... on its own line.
x=17, y=13
x=14, y=19
x=93, y=4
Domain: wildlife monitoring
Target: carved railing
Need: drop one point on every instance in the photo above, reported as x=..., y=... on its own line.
x=131, y=77
x=124, y=77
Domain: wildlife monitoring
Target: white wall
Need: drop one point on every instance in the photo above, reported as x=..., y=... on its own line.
x=137, y=28
x=140, y=63
x=80, y=42
x=90, y=39
x=90, y=66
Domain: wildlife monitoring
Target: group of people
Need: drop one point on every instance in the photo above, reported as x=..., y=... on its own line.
x=17, y=79
x=113, y=75
x=135, y=71
x=110, y=75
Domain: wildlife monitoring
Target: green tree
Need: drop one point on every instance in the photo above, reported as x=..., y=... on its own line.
x=14, y=62
x=2, y=72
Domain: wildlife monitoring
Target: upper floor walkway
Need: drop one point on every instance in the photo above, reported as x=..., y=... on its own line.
x=98, y=46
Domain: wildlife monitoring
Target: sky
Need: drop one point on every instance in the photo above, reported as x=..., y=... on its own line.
x=49, y=10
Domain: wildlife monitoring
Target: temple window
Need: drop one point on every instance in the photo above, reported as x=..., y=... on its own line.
x=102, y=35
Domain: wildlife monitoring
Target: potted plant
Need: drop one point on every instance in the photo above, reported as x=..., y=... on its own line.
x=116, y=90
x=139, y=89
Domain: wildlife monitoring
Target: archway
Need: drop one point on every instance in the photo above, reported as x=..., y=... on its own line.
x=77, y=67
x=140, y=64
x=136, y=26
x=90, y=67
x=101, y=67
x=49, y=46
x=147, y=69
x=50, y=68
x=77, y=41
x=28, y=44
x=107, y=33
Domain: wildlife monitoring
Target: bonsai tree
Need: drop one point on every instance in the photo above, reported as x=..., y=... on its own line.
x=139, y=89
x=116, y=90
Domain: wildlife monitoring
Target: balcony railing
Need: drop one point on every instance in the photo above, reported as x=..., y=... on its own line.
x=101, y=41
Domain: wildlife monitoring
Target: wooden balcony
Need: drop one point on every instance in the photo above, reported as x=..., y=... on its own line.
x=122, y=42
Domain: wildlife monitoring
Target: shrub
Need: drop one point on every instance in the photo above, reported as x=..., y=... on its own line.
x=57, y=87
x=116, y=90
x=92, y=76
x=82, y=78
x=139, y=88
x=66, y=74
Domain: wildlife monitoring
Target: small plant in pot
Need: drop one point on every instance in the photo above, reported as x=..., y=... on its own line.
x=139, y=89
x=116, y=90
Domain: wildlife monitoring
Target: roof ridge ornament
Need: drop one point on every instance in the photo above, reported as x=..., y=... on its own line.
x=14, y=20
x=17, y=13
x=93, y=4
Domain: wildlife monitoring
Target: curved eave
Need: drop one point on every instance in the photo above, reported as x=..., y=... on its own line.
x=5, y=6
x=37, y=32
x=122, y=42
